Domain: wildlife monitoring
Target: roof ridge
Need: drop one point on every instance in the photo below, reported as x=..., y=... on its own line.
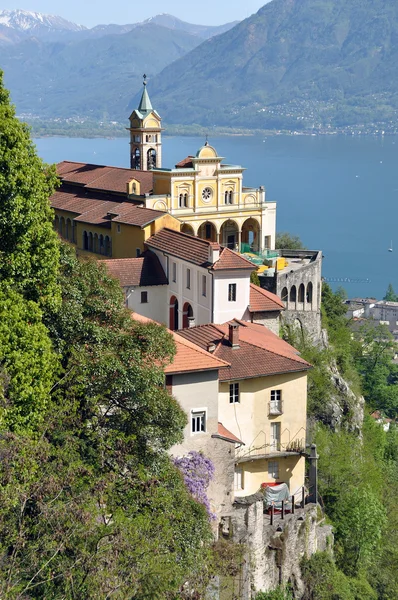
x=198, y=348
x=186, y=235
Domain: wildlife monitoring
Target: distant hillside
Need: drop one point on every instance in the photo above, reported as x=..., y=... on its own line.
x=296, y=63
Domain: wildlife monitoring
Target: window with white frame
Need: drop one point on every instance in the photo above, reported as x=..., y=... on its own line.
x=275, y=437
x=204, y=285
x=174, y=270
x=273, y=469
x=232, y=292
x=188, y=279
x=234, y=393
x=275, y=407
x=198, y=421
x=238, y=478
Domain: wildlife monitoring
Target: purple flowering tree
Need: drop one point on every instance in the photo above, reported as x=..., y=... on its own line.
x=197, y=471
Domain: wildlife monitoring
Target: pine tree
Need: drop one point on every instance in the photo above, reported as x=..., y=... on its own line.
x=390, y=296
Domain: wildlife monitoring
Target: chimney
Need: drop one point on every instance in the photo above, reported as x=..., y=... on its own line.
x=234, y=335
x=211, y=347
x=214, y=252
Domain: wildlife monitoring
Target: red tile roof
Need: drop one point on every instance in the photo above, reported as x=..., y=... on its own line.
x=143, y=271
x=93, y=207
x=260, y=351
x=197, y=251
x=232, y=260
x=100, y=177
x=263, y=301
x=225, y=434
x=185, y=163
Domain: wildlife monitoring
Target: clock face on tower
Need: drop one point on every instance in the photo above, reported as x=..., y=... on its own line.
x=207, y=194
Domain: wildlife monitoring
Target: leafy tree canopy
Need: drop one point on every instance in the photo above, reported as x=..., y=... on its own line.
x=28, y=243
x=390, y=296
x=290, y=242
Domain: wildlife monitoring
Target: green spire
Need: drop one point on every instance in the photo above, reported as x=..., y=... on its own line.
x=145, y=104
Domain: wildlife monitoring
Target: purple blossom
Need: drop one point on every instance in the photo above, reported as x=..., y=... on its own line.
x=197, y=471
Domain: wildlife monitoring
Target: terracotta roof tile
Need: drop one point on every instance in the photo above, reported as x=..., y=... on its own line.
x=185, y=163
x=136, y=215
x=225, y=434
x=260, y=351
x=181, y=245
x=263, y=301
x=100, y=177
x=143, y=271
x=232, y=260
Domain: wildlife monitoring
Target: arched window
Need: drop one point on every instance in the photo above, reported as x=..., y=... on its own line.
x=230, y=197
x=101, y=244
x=185, y=200
x=293, y=294
x=107, y=246
x=309, y=293
x=56, y=223
x=68, y=228
x=226, y=198
x=95, y=248
x=151, y=159
x=90, y=241
x=180, y=200
x=187, y=315
x=301, y=293
x=73, y=232
x=137, y=159
x=173, y=313
x=62, y=226
x=85, y=240
x=284, y=295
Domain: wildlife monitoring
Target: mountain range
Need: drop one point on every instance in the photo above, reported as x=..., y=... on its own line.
x=295, y=64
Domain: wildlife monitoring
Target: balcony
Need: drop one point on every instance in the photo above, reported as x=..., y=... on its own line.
x=275, y=408
x=265, y=448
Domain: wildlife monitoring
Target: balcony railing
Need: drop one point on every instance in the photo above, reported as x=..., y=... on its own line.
x=262, y=447
x=275, y=408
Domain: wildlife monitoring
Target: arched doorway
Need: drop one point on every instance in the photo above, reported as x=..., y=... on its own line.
x=151, y=159
x=68, y=229
x=187, y=229
x=309, y=294
x=85, y=240
x=187, y=315
x=173, y=314
x=229, y=235
x=293, y=294
x=207, y=231
x=284, y=295
x=301, y=293
x=251, y=235
x=62, y=226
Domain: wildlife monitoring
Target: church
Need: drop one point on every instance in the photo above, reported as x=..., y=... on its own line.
x=111, y=211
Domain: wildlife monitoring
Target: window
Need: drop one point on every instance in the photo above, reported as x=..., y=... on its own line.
x=174, y=267
x=188, y=279
x=275, y=437
x=273, y=469
x=234, y=393
x=137, y=252
x=198, y=421
x=144, y=297
x=204, y=285
x=232, y=292
x=238, y=479
x=275, y=406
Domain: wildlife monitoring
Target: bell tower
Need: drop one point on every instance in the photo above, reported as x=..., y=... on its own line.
x=145, y=135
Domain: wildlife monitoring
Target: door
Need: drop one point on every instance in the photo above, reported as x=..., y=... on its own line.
x=275, y=437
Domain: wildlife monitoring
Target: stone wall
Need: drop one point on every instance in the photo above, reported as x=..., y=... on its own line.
x=274, y=551
x=270, y=319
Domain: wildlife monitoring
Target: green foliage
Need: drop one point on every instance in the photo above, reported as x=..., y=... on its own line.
x=280, y=593
x=390, y=296
x=28, y=243
x=323, y=581
x=28, y=363
x=254, y=278
x=286, y=240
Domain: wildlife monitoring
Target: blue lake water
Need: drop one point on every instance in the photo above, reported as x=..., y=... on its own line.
x=339, y=194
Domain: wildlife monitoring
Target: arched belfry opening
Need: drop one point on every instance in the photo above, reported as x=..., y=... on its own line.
x=145, y=135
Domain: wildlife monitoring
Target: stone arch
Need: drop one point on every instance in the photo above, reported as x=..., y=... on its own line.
x=187, y=315
x=229, y=234
x=173, y=314
x=151, y=158
x=293, y=294
x=208, y=231
x=310, y=293
x=186, y=228
x=160, y=205
x=284, y=295
x=301, y=293
x=251, y=234
x=85, y=240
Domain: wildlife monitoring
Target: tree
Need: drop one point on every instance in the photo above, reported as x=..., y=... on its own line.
x=290, y=242
x=28, y=243
x=390, y=296
x=254, y=278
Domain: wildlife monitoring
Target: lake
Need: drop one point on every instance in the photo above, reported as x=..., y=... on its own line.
x=339, y=194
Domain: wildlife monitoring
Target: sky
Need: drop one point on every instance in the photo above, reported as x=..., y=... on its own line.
x=95, y=12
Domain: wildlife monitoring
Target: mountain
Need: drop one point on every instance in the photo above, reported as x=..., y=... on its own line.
x=295, y=63
x=91, y=78
x=35, y=23
x=203, y=31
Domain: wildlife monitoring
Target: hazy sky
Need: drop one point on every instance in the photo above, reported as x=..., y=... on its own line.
x=95, y=12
